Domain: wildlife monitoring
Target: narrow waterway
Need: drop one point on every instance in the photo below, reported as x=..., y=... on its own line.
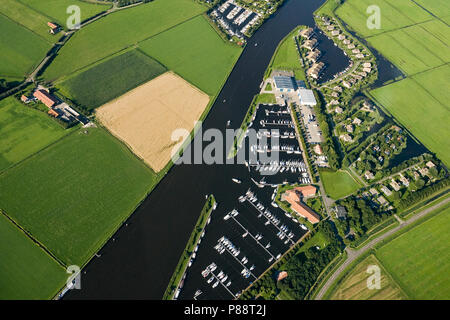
x=139, y=260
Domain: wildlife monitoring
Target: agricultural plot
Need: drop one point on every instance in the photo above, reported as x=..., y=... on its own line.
x=338, y=184
x=73, y=195
x=419, y=112
x=110, y=79
x=118, y=31
x=24, y=131
x=27, y=17
x=394, y=14
x=136, y=117
x=354, y=285
x=439, y=30
x=28, y=272
x=437, y=7
x=194, y=51
x=431, y=81
x=57, y=9
x=419, y=260
x=21, y=49
x=410, y=53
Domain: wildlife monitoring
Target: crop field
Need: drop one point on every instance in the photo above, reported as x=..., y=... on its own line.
x=110, y=79
x=338, y=184
x=136, y=117
x=196, y=52
x=354, y=286
x=27, y=17
x=57, y=9
x=21, y=49
x=120, y=30
x=438, y=7
x=395, y=14
x=419, y=112
x=419, y=259
x=28, y=272
x=24, y=131
x=64, y=196
x=410, y=52
x=431, y=81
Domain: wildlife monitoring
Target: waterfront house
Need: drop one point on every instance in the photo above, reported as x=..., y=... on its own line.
x=294, y=198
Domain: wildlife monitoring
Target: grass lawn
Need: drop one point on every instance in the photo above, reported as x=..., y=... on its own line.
x=196, y=52
x=24, y=131
x=120, y=30
x=419, y=259
x=56, y=9
x=318, y=239
x=73, y=195
x=265, y=98
x=27, y=271
x=287, y=57
x=21, y=49
x=419, y=112
x=354, y=285
x=111, y=78
x=338, y=184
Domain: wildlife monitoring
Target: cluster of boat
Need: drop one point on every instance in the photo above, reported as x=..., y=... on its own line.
x=289, y=123
x=232, y=213
x=275, y=134
x=225, y=243
x=281, y=166
x=220, y=278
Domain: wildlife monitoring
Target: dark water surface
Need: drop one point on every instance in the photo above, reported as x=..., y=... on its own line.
x=139, y=260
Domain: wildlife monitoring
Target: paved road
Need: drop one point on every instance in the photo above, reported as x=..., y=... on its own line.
x=354, y=254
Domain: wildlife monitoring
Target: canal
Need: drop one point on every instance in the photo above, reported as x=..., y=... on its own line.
x=140, y=258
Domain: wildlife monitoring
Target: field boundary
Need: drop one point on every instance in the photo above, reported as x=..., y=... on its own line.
x=30, y=236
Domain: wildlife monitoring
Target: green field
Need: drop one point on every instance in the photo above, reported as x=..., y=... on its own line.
x=439, y=8
x=21, y=49
x=338, y=184
x=110, y=79
x=419, y=111
x=196, y=52
x=73, y=195
x=395, y=14
x=27, y=17
x=413, y=50
x=119, y=30
x=56, y=9
x=419, y=260
x=24, y=131
x=287, y=57
x=27, y=271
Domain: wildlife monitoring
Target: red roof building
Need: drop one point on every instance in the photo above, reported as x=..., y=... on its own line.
x=293, y=197
x=45, y=98
x=52, y=25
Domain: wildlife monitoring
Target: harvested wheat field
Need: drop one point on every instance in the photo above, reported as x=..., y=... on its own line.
x=145, y=117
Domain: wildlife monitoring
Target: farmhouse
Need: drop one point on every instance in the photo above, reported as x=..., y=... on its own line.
x=293, y=197
x=45, y=97
x=54, y=28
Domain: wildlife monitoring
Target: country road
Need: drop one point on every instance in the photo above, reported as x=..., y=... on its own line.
x=352, y=255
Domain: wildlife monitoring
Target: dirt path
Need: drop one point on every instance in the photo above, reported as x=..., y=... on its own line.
x=352, y=255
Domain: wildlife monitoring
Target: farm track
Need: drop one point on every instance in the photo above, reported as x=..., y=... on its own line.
x=352, y=255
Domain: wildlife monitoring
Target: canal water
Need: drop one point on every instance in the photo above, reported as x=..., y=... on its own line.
x=140, y=258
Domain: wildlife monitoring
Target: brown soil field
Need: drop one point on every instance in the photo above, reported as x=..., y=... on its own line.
x=145, y=117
